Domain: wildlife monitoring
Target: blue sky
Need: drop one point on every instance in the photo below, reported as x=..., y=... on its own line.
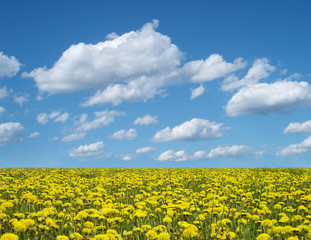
x=155, y=84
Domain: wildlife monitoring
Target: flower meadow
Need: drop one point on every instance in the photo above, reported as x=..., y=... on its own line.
x=158, y=204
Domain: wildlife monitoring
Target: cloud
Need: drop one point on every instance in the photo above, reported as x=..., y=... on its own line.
x=179, y=156
x=53, y=139
x=135, y=64
x=9, y=66
x=131, y=134
x=145, y=150
x=4, y=92
x=43, y=118
x=33, y=135
x=197, y=92
x=73, y=137
x=262, y=98
x=94, y=150
x=11, y=132
x=170, y=155
x=296, y=127
x=261, y=69
x=103, y=118
x=21, y=99
x=294, y=149
x=193, y=130
x=146, y=120
x=62, y=118
x=2, y=110
x=234, y=151
x=212, y=68
x=128, y=157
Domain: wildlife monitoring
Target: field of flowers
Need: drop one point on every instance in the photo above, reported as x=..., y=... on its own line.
x=157, y=204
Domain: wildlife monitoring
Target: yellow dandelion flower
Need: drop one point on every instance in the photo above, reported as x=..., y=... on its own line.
x=263, y=236
x=62, y=237
x=9, y=236
x=164, y=236
x=150, y=235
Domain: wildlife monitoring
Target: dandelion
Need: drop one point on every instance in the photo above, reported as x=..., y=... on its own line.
x=164, y=236
x=263, y=236
x=9, y=236
x=62, y=237
x=150, y=235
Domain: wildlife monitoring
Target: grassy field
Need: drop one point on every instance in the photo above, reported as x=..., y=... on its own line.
x=155, y=204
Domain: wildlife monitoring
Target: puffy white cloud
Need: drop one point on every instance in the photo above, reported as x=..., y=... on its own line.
x=262, y=98
x=145, y=150
x=9, y=66
x=212, y=68
x=21, y=99
x=298, y=148
x=197, y=92
x=296, y=127
x=74, y=137
x=146, y=120
x=131, y=134
x=2, y=110
x=260, y=69
x=103, y=118
x=228, y=152
x=179, y=156
x=170, y=155
x=193, y=130
x=94, y=150
x=199, y=154
x=135, y=64
x=33, y=135
x=11, y=132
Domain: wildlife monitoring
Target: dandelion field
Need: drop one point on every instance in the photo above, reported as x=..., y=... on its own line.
x=155, y=204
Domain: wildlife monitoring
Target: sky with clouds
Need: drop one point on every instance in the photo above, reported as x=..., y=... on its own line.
x=155, y=84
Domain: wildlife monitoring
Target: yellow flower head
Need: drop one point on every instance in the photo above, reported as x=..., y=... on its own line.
x=9, y=236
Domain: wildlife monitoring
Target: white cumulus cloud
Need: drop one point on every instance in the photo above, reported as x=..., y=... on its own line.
x=261, y=69
x=94, y=150
x=146, y=120
x=131, y=134
x=103, y=118
x=212, y=68
x=294, y=149
x=179, y=156
x=9, y=66
x=193, y=130
x=262, y=98
x=145, y=150
x=73, y=137
x=296, y=127
x=228, y=152
x=135, y=64
x=11, y=132
x=197, y=92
